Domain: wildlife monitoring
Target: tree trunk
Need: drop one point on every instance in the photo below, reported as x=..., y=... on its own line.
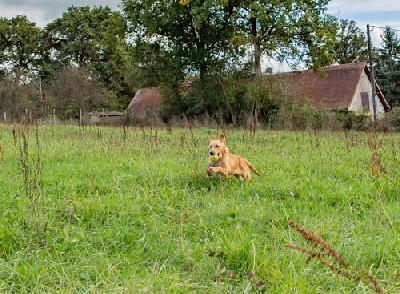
x=257, y=48
x=257, y=69
x=257, y=60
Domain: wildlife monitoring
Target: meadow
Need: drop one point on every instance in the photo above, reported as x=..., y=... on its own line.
x=131, y=210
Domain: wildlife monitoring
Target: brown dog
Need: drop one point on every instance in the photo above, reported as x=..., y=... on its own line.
x=228, y=164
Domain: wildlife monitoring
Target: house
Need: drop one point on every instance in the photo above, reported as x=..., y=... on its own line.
x=105, y=118
x=145, y=106
x=337, y=87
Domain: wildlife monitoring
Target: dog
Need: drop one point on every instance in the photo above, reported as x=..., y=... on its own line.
x=227, y=163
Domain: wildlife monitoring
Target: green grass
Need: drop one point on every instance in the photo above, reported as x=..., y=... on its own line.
x=136, y=213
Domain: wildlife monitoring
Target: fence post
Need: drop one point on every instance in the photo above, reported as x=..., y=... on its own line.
x=5, y=116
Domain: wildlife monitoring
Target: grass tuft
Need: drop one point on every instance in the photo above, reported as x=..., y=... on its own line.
x=325, y=252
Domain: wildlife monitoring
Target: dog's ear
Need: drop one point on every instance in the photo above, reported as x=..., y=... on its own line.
x=212, y=139
x=222, y=138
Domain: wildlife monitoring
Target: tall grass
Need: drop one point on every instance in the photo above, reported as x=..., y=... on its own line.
x=326, y=255
x=31, y=170
x=132, y=210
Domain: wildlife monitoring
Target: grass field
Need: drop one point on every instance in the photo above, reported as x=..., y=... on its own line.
x=108, y=210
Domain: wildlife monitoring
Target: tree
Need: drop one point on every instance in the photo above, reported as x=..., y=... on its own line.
x=173, y=40
x=4, y=43
x=351, y=45
x=19, y=45
x=191, y=36
x=16, y=98
x=388, y=67
x=94, y=38
x=74, y=89
x=291, y=30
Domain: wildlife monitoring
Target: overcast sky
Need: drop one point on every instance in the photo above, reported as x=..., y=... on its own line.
x=377, y=13
x=44, y=11
x=374, y=12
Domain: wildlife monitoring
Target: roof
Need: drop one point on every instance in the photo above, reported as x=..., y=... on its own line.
x=145, y=100
x=333, y=88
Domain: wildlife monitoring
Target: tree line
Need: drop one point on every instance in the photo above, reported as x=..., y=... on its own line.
x=94, y=58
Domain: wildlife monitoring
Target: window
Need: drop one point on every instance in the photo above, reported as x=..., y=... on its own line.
x=364, y=100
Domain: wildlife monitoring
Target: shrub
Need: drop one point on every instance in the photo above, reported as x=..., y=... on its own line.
x=392, y=119
x=262, y=99
x=353, y=121
x=300, y=116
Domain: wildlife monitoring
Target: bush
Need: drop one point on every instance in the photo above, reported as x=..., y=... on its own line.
x=235, y=99
x=194, y=100
x=300, y=116
x=262, y=99
x=353, y=121
x=392, y=120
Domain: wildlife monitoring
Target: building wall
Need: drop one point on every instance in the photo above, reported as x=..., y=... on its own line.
x=94, y=119
x=364, y=85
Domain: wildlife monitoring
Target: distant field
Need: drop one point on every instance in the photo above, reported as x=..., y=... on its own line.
x=127, y=211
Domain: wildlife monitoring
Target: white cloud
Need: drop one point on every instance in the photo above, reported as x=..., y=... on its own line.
x=36, y=15
x=44, y=11
x=377, y=14
x=342, y=6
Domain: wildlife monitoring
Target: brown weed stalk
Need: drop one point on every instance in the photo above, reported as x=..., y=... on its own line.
x=376, y=164
x=327, y=256
x=1, y=153
x=31, y=169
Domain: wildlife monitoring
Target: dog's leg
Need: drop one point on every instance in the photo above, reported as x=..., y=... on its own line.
x=219, y=170
x=247, y=175
x=239, y=177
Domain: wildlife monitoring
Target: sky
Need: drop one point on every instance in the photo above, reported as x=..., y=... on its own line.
x=44, y=11
x=374, y=12
x=377, y=13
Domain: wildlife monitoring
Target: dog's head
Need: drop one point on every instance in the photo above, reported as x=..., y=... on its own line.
x=217, y=146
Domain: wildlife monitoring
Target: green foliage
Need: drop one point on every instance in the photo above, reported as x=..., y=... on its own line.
x=392, y=119
x=301, y=116
x=200, y=99
x=353, y=121
x=225, y=100
x=153, y=66
x=351, y=44
x=388, y=67
x=20, y=44
x=193, y=37
x=132, y=210
x=94, y=38
x=263, y=101
x=238, y=100
x=291, y=31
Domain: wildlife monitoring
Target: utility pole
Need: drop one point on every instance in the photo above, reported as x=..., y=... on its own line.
x=371, y=67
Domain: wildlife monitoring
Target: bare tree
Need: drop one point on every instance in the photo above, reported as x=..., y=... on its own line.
x=73, y=89
x=18, y=100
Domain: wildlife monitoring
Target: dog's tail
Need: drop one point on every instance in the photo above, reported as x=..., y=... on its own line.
x=252, y=167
